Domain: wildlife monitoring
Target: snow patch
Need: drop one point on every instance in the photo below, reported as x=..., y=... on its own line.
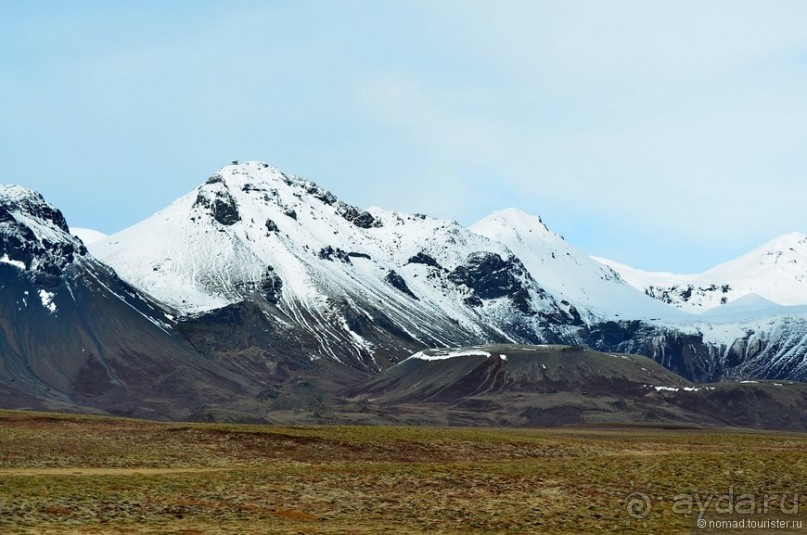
x=16, y=263
x=678, y=388
x=420, y=355
x=47, y=300
x=666, y=388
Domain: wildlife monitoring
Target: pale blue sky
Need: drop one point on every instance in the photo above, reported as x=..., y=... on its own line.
x=666, y=135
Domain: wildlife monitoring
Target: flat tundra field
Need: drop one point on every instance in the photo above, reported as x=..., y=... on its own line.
x=68, y=474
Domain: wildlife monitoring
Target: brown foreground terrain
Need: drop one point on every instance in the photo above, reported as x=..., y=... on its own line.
x=68, y=474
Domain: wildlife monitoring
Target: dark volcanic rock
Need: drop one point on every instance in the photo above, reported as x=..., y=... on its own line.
x=366, y=220
x=271, y=286
x=331, y=253
x=44, y=258
x=222, y=206
x=491, y=277
x=423, y=258
x=225, y=211
x=362, y=219
x=320, y=193
x=685, y=354
x=396, y=281
x=33, y=204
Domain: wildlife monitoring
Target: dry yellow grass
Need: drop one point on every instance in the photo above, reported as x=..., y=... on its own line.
x=86, y=475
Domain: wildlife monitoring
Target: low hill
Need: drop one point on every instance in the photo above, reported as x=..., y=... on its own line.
x=518, y=385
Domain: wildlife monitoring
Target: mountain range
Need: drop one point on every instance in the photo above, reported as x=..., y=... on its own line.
x=259, y=292
x=774, y=273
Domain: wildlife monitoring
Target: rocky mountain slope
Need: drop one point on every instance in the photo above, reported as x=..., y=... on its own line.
x=595, y=290
x=331, y=281
x=72, y=334
x=748, y=337
x=516, y=385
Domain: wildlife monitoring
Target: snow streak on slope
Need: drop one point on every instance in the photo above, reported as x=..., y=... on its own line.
x=567, y=272
x=776, y=271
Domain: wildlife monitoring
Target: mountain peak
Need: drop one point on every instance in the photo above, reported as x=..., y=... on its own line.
x=514, y=217
x=787, y=252
x=17, y=193
x=258, y=176
x=563, y=270
x=790, y=240
x=34, y=235
x=27, y=202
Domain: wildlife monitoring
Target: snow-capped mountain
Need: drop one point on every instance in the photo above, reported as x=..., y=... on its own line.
x=377, y=282
x=776, y=271
x=73, y=334
x=275, y=269
x=260, y=292
x=593, y=288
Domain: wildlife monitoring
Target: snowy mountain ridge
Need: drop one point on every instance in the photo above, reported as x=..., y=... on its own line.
x=34, y=236
x=252, y=232
x=567, y=272
x=775, y=271
x=264, y=217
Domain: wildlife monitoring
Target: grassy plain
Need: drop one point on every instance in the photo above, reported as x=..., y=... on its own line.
x=67, y=474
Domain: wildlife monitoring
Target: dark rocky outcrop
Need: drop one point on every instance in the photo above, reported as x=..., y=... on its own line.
x=221, y=205
x=320, y=194
x=271, y=286
x=396, y=281
x=423, y=258
x=488, y=276
x=362, y=219
x=331, y=253
x=44, y=258
x=686, y=354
